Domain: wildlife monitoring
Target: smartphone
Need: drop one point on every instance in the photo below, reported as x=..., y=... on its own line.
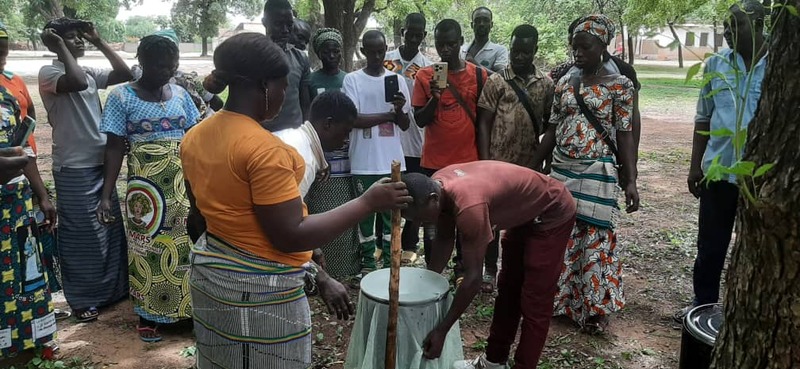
x=390, y=87
x=440, y=75
x=23, y=131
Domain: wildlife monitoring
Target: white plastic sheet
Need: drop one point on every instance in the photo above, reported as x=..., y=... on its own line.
x=368, y=339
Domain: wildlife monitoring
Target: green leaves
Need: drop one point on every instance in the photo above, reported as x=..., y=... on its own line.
x=719, y=132
x=692, y=72
x=790, y=8
x=763, y=170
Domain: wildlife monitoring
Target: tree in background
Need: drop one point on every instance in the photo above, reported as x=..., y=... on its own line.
x=203, y=18
x=657, y=13
x=762, y=301
x=140, y=26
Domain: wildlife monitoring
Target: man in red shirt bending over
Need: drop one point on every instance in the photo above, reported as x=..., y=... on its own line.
x=538, y=214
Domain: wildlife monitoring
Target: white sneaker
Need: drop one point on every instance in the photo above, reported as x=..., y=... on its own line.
x=480, y=362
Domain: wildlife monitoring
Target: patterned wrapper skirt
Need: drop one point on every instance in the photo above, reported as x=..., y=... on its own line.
x=26, y=310
x=591, y=276
x=159, y=246
x=248, y=312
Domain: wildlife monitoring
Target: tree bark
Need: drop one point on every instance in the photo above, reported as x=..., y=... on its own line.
x=343, y=15
x=205, y=47
x=762, y=303
x=680, y=45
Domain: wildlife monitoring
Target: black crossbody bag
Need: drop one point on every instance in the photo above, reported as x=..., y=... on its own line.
x=524, y=99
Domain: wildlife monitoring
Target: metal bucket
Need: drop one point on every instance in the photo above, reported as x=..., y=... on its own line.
x=700, y=329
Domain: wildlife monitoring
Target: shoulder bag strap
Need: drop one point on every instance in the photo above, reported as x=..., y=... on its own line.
x=575, y=82
x=451, y=87
x=526, y=103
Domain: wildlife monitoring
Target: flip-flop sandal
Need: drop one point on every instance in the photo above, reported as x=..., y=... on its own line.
x=62, y=314
x=88, y=315
x=408, y=258
x=154, y=330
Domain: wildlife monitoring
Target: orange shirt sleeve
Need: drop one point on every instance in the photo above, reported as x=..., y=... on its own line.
x=272, y=174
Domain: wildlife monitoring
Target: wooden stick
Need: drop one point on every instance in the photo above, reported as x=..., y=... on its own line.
x=394, y=282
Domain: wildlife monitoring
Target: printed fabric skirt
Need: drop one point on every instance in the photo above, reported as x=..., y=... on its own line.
x=342, y=254
x=27, y=320
x=591, y=277
x=248, y=312
x=156, y=207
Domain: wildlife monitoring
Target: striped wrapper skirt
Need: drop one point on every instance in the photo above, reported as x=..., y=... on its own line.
x=248, y=312
x=93, y=257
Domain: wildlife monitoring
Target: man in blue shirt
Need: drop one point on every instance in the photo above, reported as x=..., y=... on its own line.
x=743, y=67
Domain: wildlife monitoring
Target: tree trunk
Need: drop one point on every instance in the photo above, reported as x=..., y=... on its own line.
x=630, y=49
x=397, y=31
x=205, y=47
x=716, y=48
x=762, y=303
x=680, y=45
x=342, y=15
x=622, y=37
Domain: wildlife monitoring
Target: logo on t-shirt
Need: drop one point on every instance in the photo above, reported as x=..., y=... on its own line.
x=397, y=66
x=386, y=129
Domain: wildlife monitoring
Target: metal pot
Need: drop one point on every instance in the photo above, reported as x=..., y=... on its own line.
x=700, y=329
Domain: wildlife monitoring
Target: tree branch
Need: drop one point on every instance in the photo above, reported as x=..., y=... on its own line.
x=364, y=14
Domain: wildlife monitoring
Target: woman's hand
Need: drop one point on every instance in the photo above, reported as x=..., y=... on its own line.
x=104, y=214
x=50, y=214
x=335, y=296
x=386, y=195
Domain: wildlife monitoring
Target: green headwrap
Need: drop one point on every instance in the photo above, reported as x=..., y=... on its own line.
x=170, y=34
x=325, y=34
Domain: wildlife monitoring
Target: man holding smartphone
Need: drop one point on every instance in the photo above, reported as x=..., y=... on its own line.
x=407, y=60
x=448, y=114
x=383, y=111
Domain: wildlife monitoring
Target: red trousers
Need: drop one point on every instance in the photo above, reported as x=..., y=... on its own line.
x=526, y=285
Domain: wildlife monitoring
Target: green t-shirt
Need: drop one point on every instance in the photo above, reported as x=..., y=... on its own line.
x=320, y=82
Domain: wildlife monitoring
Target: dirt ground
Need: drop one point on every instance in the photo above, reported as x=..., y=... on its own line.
x=658, y=247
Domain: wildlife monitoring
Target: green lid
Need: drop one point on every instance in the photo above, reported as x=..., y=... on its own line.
x=417, y=286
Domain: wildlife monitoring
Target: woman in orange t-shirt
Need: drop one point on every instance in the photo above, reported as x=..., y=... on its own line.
x=247, y=277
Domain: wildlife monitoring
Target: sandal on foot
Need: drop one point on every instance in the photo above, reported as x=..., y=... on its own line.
x=154, y=330
x=87, y=315
x=62, y=314
x=596, y=325
x=408, y=258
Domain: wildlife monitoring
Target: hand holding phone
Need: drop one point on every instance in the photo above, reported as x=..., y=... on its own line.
x=23, y=131
x=391, y=87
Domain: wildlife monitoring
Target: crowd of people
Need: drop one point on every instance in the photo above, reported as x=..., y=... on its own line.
x=235, y=211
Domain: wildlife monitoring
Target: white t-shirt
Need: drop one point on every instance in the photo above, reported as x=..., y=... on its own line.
x=304, y=139
x=372, y=150
x=413, y=138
